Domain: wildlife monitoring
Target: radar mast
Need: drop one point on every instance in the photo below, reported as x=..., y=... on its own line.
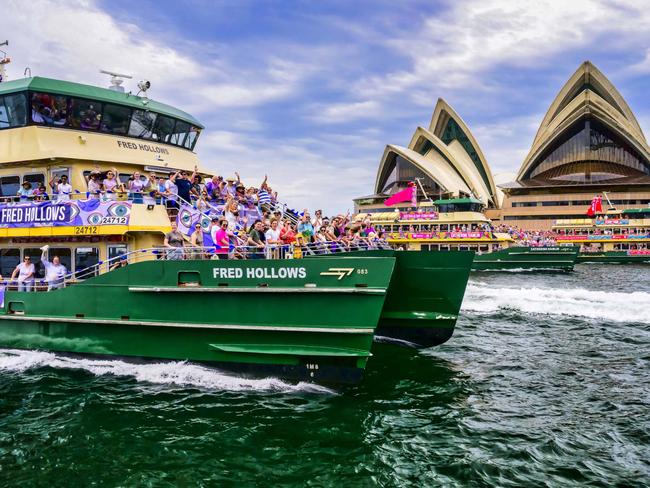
x=116, y=80
x=4, y=61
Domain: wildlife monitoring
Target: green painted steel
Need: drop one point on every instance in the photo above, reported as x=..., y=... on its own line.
x=448, y=201
x=613, y=257
x=560, y=258
x=60, y=87
x=425, y=295
x=274, y=326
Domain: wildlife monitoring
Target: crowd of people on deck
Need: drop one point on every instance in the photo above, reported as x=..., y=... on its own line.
x=532, y=238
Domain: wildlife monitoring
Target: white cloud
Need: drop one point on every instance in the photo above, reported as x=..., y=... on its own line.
x=303, y=177
x=345, y=112
x=74, y=39
x=450, y=51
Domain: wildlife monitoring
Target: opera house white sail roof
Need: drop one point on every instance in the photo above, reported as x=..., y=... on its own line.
x=446, y=158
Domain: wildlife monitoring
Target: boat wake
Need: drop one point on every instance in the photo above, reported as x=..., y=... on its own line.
x=171, y=373
x=575, y=302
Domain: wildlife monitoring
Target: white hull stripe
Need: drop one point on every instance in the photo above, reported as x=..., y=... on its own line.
x=260, y=289
x=503, y=261
x=327, y=330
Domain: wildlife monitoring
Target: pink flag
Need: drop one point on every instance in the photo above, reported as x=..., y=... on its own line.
x=406, y=195
x=599, y=204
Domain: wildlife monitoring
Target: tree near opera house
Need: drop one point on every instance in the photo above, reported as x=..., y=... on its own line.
x=588, y=142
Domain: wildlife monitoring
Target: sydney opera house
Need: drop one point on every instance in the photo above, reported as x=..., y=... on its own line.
x=589, y=142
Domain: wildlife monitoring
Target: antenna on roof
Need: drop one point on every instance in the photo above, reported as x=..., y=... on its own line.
x=116, y=80
x=3, y=62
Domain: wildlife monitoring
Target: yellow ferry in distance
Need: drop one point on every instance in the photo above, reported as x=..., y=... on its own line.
x=444, y=225
x=617, y=236
x=51, y=129
x=459, y=224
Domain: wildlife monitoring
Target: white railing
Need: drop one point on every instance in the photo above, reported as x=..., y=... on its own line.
x=269, y=251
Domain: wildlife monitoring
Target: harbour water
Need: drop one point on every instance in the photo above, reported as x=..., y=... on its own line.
x=546, y=382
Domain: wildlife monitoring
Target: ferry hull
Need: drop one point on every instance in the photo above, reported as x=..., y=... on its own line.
x=318, y=327
x=557, y=258
x=425, y=295
x=613, y=257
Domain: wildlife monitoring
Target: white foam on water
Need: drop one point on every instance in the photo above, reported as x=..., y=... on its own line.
x=577, y=302
x=172, y=373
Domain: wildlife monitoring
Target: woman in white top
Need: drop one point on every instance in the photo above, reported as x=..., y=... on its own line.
x=25, y=272
x=136, y=188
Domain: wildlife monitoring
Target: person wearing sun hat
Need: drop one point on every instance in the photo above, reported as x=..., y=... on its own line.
x=25, y=192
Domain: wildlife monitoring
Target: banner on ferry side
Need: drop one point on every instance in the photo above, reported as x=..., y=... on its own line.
x=612, y=221
x=603, y=237
x=442, y=235
x=61, y=214
x=188, y=217
x=418, y=215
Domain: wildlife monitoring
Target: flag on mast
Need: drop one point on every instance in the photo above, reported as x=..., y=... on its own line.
x=408, y=194
x=596, y=206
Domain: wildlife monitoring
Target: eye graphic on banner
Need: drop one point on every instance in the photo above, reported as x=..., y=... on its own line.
x=185, y=217
x=119, y=210
x=95, y=218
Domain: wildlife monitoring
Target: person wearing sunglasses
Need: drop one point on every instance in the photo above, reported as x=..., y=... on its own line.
x=220, y=237
x=197, y=242
x=25, y=272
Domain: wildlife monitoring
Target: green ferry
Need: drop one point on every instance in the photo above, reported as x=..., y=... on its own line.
x=614, y=237
x=459, y=224
x=301, y=319
x=424, y=296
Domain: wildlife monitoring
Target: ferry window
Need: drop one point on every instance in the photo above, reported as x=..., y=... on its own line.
x=115, y=250
x=9, y=186
x=9, y=259
x=84, y=257
x=65, y=255
x=85, y=114
x=49, y=109
x=142, y=124
x=115, y=119
x=35, y=179
x=13, y=111
x=163, y=129
x=192, y=136
x=35, y=254
x=180, y=131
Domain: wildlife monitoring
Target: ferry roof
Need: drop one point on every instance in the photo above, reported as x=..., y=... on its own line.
x=59, y=87
x=457, y=200
x=636, y=210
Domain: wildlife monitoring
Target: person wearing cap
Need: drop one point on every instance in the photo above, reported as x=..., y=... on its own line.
x=94, y=185
x=25, y=192
x=121, y=263
x=232, y=183
x=184, y=184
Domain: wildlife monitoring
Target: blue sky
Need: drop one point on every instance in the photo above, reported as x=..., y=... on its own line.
x=310, y=92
